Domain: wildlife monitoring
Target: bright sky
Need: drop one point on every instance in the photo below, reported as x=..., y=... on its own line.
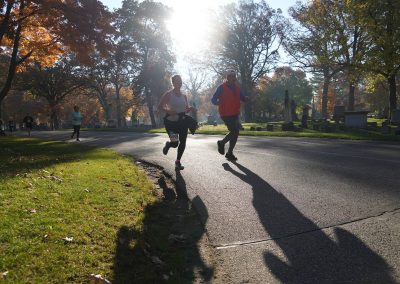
x=189, y=23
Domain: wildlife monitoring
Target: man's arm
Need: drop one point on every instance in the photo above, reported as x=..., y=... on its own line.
x=243, y=98
x=217, y=94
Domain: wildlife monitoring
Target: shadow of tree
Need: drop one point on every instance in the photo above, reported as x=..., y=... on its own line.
x=312, y=256
x=166, y=250
x=25, y=154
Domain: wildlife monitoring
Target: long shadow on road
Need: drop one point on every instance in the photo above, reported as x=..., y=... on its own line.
x=312, y=256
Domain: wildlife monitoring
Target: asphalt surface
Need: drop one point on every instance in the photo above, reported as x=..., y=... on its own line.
x=290, y=210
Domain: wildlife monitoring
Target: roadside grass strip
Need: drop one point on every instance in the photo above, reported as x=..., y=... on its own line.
x=62, y=207
x=351, y=134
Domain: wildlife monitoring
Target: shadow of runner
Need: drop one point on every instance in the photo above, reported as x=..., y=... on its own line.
x=166, y=251
x=312, y=257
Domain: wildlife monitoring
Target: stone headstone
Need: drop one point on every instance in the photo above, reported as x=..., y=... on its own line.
x=338, y=113
x=304, y=116
x=289, y=126
x=356, y=119
x=385, y=129
x=395, y=118
x=293, y=107
x=326, y=127
x=287, y=110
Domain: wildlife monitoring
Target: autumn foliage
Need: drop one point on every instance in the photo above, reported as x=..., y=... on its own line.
x=42, y=30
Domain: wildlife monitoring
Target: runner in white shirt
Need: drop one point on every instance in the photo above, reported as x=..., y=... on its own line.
x=174, y=104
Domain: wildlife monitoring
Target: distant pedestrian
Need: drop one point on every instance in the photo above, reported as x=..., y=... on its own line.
x=11, y=125
x=228, y=96
x=76, y=122
x=175, y=105
x=2, y=133
x=28, y=121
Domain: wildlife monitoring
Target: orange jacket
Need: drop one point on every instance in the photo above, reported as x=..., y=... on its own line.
x=228, y=99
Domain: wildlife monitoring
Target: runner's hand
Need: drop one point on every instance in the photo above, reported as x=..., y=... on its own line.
x=189, y=109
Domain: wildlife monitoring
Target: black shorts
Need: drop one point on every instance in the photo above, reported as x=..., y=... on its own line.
x=28, y=125
x=175, y=126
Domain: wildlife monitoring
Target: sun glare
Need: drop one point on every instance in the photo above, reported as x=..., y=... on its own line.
x=189, y=26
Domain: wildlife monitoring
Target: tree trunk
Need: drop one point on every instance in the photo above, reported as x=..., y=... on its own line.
x=119, y=117
x=104, y=104
x=392, y=94
x=150, y=107
x=54, y=120
x=13, y=63
x=6, y=20
x=107, y=110
x=325, y=89
x=248, y=107
x=350, y=105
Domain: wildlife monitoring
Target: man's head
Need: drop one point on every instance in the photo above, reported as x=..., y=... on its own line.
x=231, y=76
x=76, y=108
x=176, y=81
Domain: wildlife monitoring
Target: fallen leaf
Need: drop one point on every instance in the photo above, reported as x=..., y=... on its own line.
x=156, y=260
x=98, y=279
x=54, y=178
x=68, y=239
x=181, y=237
x=3, y=274
x=33, y=211
x=86, y=189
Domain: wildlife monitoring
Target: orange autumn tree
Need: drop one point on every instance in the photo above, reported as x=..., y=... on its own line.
x=331, y=99
x=42, y=30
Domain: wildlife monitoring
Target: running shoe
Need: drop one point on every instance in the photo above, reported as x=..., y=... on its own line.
x=230, y=157
x=166, y=148
x=178, y=166
x=221, y=147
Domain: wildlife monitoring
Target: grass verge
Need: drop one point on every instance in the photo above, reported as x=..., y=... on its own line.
x=220, y=129
x=352, y=134
x=68, y=211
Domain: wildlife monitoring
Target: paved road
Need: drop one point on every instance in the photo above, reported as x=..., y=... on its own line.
x=290, y=210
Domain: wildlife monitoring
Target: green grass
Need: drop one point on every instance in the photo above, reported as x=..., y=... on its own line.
x=53, y=190
x=220, y=129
